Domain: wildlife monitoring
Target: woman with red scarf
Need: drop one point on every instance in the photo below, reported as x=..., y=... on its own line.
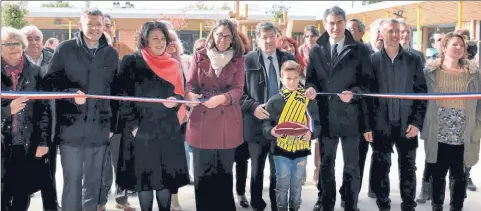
x=152, y=156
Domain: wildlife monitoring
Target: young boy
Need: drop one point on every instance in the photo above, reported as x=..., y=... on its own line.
x=290, y=152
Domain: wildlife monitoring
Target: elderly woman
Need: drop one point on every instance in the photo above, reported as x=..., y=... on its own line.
x=217, y=74
x=152, y=155
x=25, y=133
x=451, y=130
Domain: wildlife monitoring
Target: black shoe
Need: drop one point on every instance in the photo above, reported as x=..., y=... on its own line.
x=243, y=201
x=317, y=206
x=471, y=185
x=55, y=209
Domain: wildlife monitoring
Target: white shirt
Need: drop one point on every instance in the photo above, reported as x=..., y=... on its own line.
x=340, y=44
x=267, y=63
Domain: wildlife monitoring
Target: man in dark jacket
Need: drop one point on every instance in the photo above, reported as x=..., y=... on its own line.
x=338, y=64
x=397, y=122
x=41, y=57
x=51, y=44
x=406, y=40
x=262, y=80
x=84, y=64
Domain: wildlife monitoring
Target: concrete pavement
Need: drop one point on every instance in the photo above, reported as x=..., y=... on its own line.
x=309, y=192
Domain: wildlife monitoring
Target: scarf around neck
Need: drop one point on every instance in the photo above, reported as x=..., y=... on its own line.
x=219, y=60
x=166, y=68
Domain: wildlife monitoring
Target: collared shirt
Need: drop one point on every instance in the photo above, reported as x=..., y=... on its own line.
x=38, y=62
x=340, y=44
x=267, y=63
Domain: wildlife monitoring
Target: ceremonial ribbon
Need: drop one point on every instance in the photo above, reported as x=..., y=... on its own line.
x=63, y=95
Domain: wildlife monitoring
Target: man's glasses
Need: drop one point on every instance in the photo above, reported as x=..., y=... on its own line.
x=12, y=44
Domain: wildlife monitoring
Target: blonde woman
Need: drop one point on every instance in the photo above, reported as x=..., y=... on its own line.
x=451, y=127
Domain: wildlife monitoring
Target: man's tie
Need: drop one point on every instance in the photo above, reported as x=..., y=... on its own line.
x=272, y=79
x=334, y=52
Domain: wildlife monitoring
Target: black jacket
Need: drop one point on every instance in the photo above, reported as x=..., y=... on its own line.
x=33, y=120
x=411, y=111
x=418, y=53
x=256, y=92
x=350, y=71
x=72, y=69
x=275, y=106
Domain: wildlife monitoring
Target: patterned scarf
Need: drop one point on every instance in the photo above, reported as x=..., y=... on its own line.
x=295, y=110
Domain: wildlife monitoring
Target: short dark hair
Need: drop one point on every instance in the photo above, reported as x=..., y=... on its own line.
x=236, y=43
x=313, y=29
x=265, y=26
x=360, y=24
x=463, y=32
x=334, y=11
x=431, y=39
x=291, y=66
x=147, y=27
x=109, y=17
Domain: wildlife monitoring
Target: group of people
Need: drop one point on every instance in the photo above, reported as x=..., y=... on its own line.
x=237, y=97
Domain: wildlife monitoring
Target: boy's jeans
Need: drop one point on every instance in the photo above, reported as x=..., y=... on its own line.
x=289, y=174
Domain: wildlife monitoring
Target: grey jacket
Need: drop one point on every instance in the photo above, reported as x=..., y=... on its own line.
x=472, y=133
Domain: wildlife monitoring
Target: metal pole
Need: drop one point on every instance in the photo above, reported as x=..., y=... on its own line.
x=69, y=29
x=460, y=14
x=419, y=27
x=201, y=27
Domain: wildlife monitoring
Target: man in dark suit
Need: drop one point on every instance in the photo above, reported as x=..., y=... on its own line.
x=262, y=80
x=338, y=64
x=395, y=122
x=406, y=40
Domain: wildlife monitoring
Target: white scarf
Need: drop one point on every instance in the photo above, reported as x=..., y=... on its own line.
x=219, y=60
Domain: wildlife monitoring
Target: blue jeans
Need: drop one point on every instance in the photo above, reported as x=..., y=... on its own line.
x=188, y=150
x=289, y=174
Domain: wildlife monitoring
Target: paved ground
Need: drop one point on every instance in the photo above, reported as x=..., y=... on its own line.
x=309, y=194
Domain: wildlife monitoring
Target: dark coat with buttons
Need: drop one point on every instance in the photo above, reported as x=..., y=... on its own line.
x=72, y=69
x=220, y=127
x=352, y=71
x=33, y=127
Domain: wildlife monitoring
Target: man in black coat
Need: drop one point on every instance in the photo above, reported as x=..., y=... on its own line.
x=262, y=80
x=338, y=63
x=406, y=40
x=396, y=122
x=84, y=64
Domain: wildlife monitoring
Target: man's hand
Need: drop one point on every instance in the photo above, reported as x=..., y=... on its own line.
x=214, y=101
x=170, y=104
x=345, y=96
x=412, y=131
x=261, y=113
x=41, y=151
x=273, y=133
x=17, y=105
x=368, y=136
x=307, y=136
x=192, y=97
x=134, y=132
x=80, y=100
x=311, y=93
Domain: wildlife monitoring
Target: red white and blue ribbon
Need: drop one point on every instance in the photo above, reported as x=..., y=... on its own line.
x=419, y=96
x=62, y=95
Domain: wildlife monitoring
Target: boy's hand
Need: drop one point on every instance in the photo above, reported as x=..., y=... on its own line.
x=273, y=133
x=307, y=136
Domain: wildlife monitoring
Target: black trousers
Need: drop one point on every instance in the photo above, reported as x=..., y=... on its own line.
x=49, y=189
x=381, y=167
x=213, y=180
x=363, y=149
x=241, y=162
x=259, y=154
x=450, y=157
x=350, y=151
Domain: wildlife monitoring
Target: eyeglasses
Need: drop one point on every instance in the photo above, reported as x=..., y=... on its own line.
x=12, y=44
x=226, y=37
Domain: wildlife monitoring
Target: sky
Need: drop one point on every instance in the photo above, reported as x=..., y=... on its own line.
x=297, y=7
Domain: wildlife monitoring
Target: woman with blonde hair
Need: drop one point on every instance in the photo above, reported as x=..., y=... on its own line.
x=451, y=129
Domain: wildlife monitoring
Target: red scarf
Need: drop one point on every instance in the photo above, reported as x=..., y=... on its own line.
x=166, y=68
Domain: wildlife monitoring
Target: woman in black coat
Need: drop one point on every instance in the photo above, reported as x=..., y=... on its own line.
x=152, y=156
x=24, y=133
